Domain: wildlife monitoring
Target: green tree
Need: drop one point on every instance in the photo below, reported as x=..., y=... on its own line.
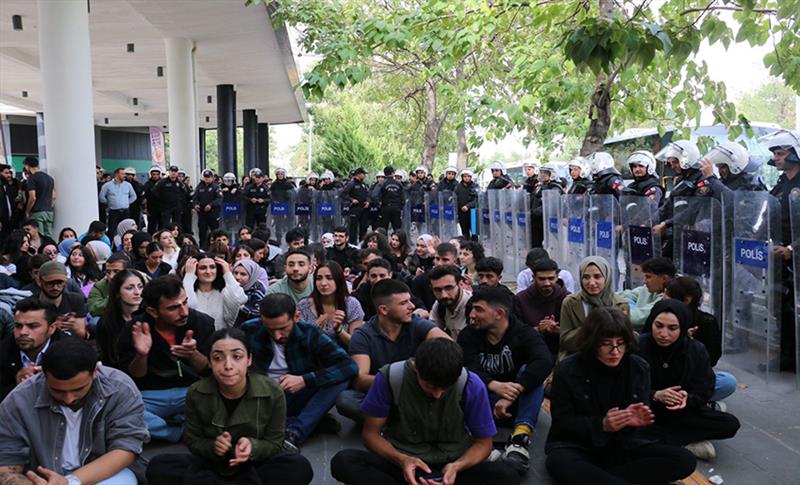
x=772, y=102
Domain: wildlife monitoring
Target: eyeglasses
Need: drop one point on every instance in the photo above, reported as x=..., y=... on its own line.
x=612, y=347
x=54, y=283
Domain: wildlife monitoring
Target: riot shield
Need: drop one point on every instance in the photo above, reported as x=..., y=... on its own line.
x=751, y=332
x=434, y=213
x=281, y=215
x=574, y=217
x=638, y=216
x=495, y=225
x=326, y=213
x=697, y=229
x=507, y=248
x=604, y=219
x=344, y=210
x=448, y=221
x=303, y=208
x=794, y=214
x=231, y=217
x=522, y=229
x=553, y=232
x=485, y=222
x=416, y=223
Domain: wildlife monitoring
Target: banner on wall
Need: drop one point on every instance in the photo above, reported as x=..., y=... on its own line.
x=157, y=147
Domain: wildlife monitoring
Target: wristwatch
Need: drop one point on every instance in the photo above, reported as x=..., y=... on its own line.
x=73, y=480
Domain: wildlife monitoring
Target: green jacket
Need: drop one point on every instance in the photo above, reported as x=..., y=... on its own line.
x=259, y=416
x=98, y=298
x=641, y=302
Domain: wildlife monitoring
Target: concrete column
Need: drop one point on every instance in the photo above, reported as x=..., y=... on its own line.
x=66, y=65
x=250, y=128
x=263, y=147
x=202, y=144
x=183, y=150
x=226, y=129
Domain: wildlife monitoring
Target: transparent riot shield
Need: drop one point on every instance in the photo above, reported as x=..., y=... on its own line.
x=448, y=221
x=506, y=248
x=751, y=332
x=281, y=215
x=326, y=213
x=603, y=234
x=303, y=208
x=697, y=230
x=344, y=210
x=417, y=221
x=574, y=219
x=638, y=216
x=434, y=213
x=522, y=229
x=231, y=217
x=495, y=224
x=794, y=213
x=553, y=232
x=485, y=222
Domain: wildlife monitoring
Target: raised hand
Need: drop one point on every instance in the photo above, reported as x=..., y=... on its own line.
x=187, y=347
x=142, y=340
x=226, y=268
x=190, y=267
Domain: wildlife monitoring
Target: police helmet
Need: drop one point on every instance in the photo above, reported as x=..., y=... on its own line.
x=645, y=159
x=729, y=153
x=599, y=161
x=685, y=151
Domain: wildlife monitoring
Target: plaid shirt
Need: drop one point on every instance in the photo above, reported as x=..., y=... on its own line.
x=309, y=353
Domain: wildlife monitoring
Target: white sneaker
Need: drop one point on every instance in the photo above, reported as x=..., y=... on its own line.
x=719, y=406
x=495, y=455
x=702, y=450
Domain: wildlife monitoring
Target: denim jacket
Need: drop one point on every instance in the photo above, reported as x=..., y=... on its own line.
x=32, y=425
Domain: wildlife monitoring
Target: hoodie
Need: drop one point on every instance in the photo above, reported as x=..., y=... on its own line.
x=531, y=306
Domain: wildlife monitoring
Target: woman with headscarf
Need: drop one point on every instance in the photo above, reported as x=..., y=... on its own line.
x=246, y=272
x=682, y=382
x=64, y=248
x=139, y=243
x=422, y=259
x=124, y=226
x=101, y=252
x=596, y=292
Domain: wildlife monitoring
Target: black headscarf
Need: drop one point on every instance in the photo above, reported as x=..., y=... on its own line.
x=136, y=240
x=667, y=363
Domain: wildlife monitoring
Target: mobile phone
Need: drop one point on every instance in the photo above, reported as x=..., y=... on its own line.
x=434, y=475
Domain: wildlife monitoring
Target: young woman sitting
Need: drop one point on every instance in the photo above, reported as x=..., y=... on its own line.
x=153, y=265
x=212, y=289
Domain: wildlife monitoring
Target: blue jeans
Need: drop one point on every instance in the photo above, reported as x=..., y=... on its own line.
x=527, y=406
x=724, y=386
x=163, y=413
x=124, y=477
x=305, y=408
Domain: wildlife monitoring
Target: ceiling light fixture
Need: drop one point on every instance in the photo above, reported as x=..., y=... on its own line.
x=106, y=120
x=16, y=22
x=24, y=94
x=160, y=71
x=209, y=99
x=136, y=101
x=131, y=48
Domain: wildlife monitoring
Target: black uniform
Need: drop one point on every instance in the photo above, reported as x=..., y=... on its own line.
x=749, y=182
x=466, y=196
x=359, y=211
x=647, y=186
x=207, y=202
x=186, y=207
x=153, y=205
x=171, y=196
x=500, y=182
x=530, y=184
x=445, y=184
x=392, y=199
x=9, y=208
x=256, y=211
x=537, y=211
x=136, y=207
x=421, y=185
x=580, y=186
x=608, y=181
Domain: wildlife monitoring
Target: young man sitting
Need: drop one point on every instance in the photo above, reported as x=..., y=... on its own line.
x=657, y=273
x=539, y=305
x=428, y=420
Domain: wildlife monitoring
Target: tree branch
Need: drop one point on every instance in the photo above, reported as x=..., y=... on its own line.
x=734, y=9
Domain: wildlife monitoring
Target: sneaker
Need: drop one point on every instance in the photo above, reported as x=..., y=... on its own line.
x=291, y=443
x=328, y=425
x=719, y=406
x=702, y=450
x=495, y=455
x=516, y=453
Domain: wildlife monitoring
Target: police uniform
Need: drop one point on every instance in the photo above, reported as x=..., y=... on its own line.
x=647, y=186
x=186, y=207
x=207, y=220
x=358, y=219
x=530, y=184
x=500, y=182
x=153, y=205
x=446, y=185
x=392, y=199
x=466, y=195
x=580, y=186
x=608, y=181
x=537, y=211
x=749, y=182
x=256, y=211
x=171, y=195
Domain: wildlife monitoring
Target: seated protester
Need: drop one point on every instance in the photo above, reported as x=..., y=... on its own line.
x=297, y=283
x=704, y=329
x=490, y=273
x=377, y=270
x=393, y=334
x=361, y=261
x=600, y=410
x=152, y=264
x=35, y=263
x=22, y=351
x=96, y=232
x=165, y=352
x=71, y=307
x=446, y=253
x=595, y=292
x=422, y=259
x=449, y=310
x=657, y=272
x=246, y=272
x=377, y=240
x=469, y=253
x=139, y=242
x=35, y=239
x=82, y=267
x=169, y=247
x=307, y=364
x=682, y=382
x=235, y=421
x=329, y=306
x=124, y=300
x=428, y=420
x=123, y=227
x=341, y=251
x=398, y=244
x=296, y=238
x=74, y=422
x=98, y=296
x=513, y=361
x=539, y=305
x=525, y=277
x=219, y=236
x=318, y=254
x=212, y=289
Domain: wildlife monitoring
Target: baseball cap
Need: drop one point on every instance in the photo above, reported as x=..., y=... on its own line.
x=53, y=270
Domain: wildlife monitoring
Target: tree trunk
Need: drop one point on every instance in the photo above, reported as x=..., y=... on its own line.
x=600, y=109
x=432, y=126
x=462, y=151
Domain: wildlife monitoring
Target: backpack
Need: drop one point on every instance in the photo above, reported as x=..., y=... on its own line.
x=395, y=378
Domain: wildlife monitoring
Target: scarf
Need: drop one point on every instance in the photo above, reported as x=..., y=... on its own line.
x=124, y=226
x=666, y=363
x=252, y=269
x=65, y=247
x=606, y=297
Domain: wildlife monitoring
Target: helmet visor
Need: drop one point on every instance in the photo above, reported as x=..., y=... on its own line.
x=672, y=150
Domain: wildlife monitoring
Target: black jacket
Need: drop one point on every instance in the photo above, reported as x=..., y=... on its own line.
x=648, y=186
x=445, y=184
x=751, y=182
x=253, y=191
x=357, y=190
x=580, y=186
x=344, y=258
x=207, y=194
x=577, y=419
x=466, y=195
x=391, y=194
x=608, y=181
x=11, y=363
x=500, y=182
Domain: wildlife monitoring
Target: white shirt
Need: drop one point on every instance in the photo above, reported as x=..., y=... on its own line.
x=71, y=451
x=278, y=366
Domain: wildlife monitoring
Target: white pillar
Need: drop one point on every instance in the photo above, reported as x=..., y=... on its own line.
x=65, y=60
x=183, y=150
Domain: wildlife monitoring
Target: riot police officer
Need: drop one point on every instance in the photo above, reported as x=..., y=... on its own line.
x=579, y=173
x=257, y=197
x=312, y=179
x=645, y=181
x=171, y=194
x=186, y=205
x=281, y=182
x=400, y=176
x=531, y=179
x=151, y=204
x=547, y=181
x=422, y=183
x=355, y=195
x=607, y=179
x=448, y=182
x=732, y=160
x=206, y=203
x=392, y=199
x=466, y=198
x=138, y=189
x=499, y=178
x=326, y=181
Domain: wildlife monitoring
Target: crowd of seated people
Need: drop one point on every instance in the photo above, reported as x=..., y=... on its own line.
x=242, y=351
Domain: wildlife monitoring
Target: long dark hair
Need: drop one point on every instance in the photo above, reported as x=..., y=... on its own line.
x=383, y=243
x=219, y=282
x=90, y=271
x=111, y=326
x=403, y=238
x=340, y=296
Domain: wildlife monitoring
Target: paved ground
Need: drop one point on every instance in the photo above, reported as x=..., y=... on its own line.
x=766, y=451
